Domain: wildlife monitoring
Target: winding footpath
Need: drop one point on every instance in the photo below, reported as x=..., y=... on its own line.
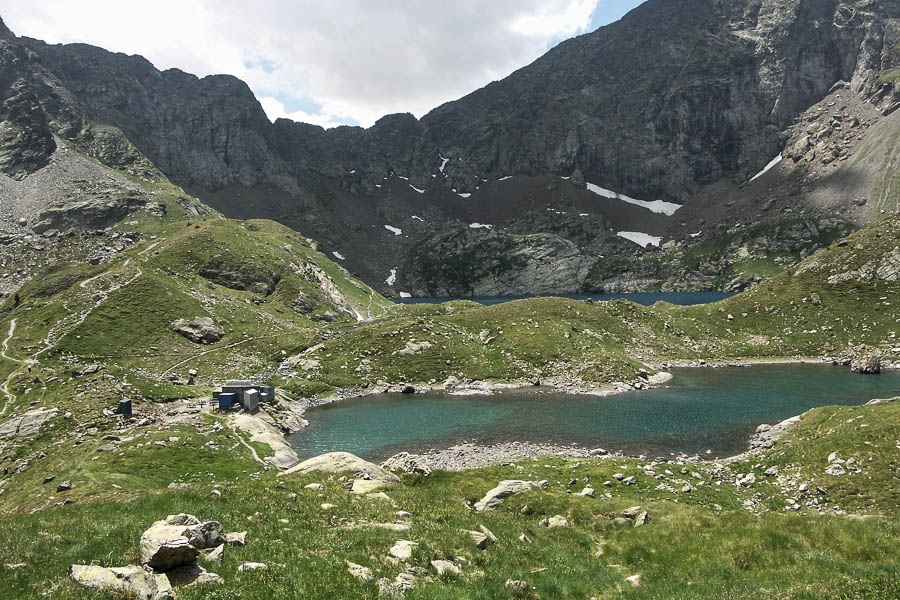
x=4, y=387
x=189, y=359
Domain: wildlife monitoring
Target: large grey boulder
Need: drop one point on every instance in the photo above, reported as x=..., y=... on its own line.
x=26, y=425
x=133, y=580
x=405, y=462
x=177, y=540
x=866, y=364
x=367, y=476
x=504, y=490
x=200, y=330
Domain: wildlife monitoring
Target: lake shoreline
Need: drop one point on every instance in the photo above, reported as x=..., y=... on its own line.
x=468, y=455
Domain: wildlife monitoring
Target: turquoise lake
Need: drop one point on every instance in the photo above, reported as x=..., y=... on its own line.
x=647, y=299
x=700, y=409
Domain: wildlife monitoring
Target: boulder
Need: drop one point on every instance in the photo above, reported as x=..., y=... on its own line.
x=359, y=571
x=177, y=541
x=402, y=549
x=200, y=330
x=405, y=462
x=26, y=425
x=866, y=364
x=215, y=555
x=252, y=566
x=555, y=521
x=642, y=519
x=479, y=538
x=235, y=538
x=517, y=585
x=632, y=512
x=504, y=490
x=368, y=476
x=445, y=566
x=190, y=575
x=133, y=580
x=413, y=348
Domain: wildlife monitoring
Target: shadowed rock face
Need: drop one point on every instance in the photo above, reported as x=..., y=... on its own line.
x=697, y=91
x=677, y=95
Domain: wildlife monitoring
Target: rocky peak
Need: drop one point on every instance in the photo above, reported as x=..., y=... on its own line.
x=5, y=32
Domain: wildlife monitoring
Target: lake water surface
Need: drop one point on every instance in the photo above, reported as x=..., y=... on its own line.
x=682, y=298
x=701, y=409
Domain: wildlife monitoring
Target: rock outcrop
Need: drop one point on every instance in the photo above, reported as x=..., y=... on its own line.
x=367, y=476
x=26, y=425
x=504, y=490
x=134, y=581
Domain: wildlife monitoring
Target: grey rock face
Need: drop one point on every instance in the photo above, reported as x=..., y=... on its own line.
x=240, y=277
x=26, y=425
x=95, y=213
x=494, y=497
x=480, y=262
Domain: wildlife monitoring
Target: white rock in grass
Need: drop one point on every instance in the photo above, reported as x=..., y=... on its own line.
x=359, y=571
x=402, y=550
x=134, y=580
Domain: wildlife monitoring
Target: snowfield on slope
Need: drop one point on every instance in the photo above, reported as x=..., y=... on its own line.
x=658, y=206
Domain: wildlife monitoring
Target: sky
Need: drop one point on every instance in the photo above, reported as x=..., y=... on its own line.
x=327, y=62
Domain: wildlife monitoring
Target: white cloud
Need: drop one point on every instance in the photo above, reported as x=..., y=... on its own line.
x=321, y=62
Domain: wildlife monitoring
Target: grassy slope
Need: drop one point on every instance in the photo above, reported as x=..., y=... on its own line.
x=796, y=313
x=690, y=549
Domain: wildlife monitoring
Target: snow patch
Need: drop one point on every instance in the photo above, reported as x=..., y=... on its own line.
x=641, y=239
x=353, y=171
x=444, y=162
x=418, y=218
x=695, y=235
x=584, y=214
x=658, y=206
x=464, y=195
x=378, y=185
x=405, y=295
x=505, y=178
x=339, y=256
x=480, y=226
x=394, y=230
x=772, y=164
x=392, y=278
x=416, y=189
x=838, y=85
x=403, y=178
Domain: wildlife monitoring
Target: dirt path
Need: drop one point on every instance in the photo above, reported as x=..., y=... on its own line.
x=4, y=387
x=5, y=347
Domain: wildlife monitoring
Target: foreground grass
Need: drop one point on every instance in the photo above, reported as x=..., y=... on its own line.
x=686, y=551
x=700, y=544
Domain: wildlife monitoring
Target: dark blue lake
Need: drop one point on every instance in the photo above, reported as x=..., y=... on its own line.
x=701, y=409
x=682, y=298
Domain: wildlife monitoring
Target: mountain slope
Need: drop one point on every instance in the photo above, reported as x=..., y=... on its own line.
x=682, y=100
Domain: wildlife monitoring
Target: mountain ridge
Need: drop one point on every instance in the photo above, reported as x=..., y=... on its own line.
x=719, y=89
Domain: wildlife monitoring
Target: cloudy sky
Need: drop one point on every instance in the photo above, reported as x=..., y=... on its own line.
x=327, y=62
